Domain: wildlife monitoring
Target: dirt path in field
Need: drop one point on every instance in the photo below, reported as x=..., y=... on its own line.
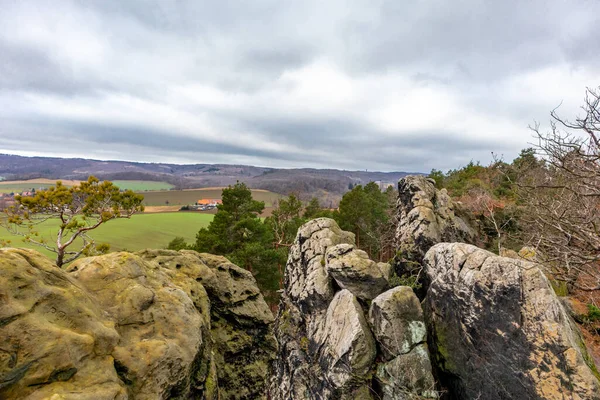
x=160, y=209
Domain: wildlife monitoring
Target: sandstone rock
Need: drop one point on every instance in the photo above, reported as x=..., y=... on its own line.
x=303, y=311
x=306, y=280
x=156, y=325
x=160, y=329
x=353, y=270
x=408, y=376
x=426, y=216
x=498, y=331
x=346, y=345
x=241, y=322
x=397, y=320
x=54, y=338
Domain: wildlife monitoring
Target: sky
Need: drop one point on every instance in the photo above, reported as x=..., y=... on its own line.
x=379, y=85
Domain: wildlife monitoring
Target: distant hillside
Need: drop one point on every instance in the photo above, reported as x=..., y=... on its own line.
x=327, y=184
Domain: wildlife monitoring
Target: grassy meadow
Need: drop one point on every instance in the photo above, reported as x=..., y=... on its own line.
x=142, y=186
x=136, y=186
x=140, y=232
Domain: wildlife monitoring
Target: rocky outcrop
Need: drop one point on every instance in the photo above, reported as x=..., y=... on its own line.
x=498, y=331
x=327, y=346
x=152, y=325
x=426, y=216
x=243, y=344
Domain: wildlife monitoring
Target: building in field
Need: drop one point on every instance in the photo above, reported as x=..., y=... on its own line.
x=209, y=202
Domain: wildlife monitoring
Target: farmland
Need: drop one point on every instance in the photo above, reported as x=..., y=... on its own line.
x=20, y=186
x=142, y=186
x=191, y=196
x=140, y=232
x=136, y=186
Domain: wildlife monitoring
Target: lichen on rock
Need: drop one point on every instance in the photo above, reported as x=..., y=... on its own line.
x=498, y=331
x=132, y=326
x=327, y=349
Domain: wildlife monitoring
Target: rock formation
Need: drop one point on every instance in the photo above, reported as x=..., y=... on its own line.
x=163, y=324
x=426, y=216
x=498, y=331
x=328, y=347
x=153, y=325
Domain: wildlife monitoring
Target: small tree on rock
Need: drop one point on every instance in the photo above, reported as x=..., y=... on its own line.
x=78, y=209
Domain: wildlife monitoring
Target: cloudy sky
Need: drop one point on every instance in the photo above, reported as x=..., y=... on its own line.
x=383, y=85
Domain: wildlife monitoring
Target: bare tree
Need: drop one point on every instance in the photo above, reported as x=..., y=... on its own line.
x=489, y=211
x=561, y=196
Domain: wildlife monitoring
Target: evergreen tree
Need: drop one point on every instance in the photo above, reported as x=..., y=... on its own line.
x=238, y=233
x=366, y=211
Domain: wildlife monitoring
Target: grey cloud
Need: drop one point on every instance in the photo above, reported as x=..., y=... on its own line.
x=467, y=50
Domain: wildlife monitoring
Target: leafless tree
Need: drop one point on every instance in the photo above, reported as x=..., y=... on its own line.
x=561, y=196
x=481, y=204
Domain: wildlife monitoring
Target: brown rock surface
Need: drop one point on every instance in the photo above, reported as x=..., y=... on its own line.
x=131, y=326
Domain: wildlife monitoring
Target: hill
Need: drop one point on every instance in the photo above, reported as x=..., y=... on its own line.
x=326, y=184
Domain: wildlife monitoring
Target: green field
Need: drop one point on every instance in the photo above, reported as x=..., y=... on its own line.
x=142, y=186
x=136, y=186
x=7, y=187
x=183, y=197
x=140, y=232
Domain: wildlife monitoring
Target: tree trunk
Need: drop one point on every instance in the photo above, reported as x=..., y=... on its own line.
x=60, y=257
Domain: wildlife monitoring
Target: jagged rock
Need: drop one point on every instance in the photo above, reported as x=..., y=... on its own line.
x=397, y=322
x=426, y=216
x=302, y=315
x=326, y=346
x=352, y=269
x=346, y=345
x=144, y=326
x=243, y=344
x=307, y=282
x=498, y=331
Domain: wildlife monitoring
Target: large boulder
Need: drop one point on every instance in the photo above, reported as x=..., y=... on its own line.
x=397, y=322
x=426, y=216
x=326, y=345
x=160, y=329
x=498, y=331
x=352, y=269
x=124, y=326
